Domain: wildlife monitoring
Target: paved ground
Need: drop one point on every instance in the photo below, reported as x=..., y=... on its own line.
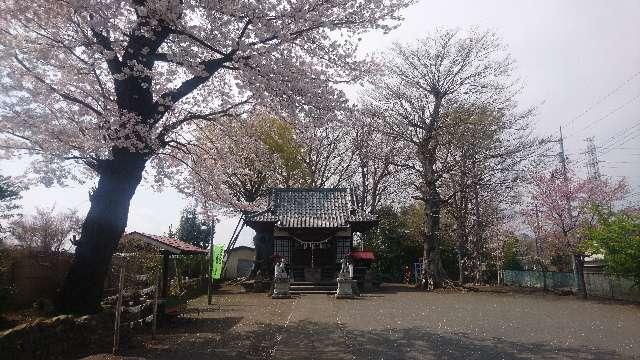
x=400, y=324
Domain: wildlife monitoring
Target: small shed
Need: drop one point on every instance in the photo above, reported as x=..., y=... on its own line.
x=239, y=262
x=167, y=246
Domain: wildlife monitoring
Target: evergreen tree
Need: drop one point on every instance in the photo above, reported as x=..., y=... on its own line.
x=9, y=195
x=193, y=229
x=511, y=255
x=171, y=233
x=393, y=241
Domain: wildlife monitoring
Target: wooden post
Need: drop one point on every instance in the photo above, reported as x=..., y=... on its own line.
x=155, y=309
x=210, y=276
x=178, y=279
x=210, y=267
x=165, y=275
x=116, y=330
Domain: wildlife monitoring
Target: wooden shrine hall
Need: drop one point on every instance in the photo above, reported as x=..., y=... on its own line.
x=312, y=229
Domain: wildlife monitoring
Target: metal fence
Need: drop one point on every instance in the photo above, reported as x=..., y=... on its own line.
x=553, y=280
x=611, y=287
x=597, y=284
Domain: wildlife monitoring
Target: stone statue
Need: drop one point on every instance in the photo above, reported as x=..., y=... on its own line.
x=344, y=269
x=344, y=291
x=281, y=281
x=280, y=270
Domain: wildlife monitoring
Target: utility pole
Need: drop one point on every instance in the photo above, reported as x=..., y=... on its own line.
x=577, y=259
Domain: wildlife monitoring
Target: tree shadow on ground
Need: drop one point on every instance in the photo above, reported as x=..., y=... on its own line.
x=224, y=339
x=390, y=288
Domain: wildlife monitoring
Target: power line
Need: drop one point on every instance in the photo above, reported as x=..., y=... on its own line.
x=609, y=114
x=602, y=99
x=611, y=141
x=628, y=137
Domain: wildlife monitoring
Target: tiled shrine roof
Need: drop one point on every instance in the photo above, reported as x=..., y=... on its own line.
x=311, y=208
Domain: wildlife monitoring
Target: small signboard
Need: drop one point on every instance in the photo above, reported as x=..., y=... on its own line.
x=216, y=264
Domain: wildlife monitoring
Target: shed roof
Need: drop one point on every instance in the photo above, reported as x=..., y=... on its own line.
x=311, y=208
x=171, y=245
x=242, y=247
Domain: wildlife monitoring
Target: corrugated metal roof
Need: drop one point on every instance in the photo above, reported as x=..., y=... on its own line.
x=311, y=208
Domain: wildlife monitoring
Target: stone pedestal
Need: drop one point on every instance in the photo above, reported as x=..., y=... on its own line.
x=344, y=289
x=355, y=288
x=281, y=288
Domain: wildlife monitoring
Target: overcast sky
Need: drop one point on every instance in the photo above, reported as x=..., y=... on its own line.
x=579, y=61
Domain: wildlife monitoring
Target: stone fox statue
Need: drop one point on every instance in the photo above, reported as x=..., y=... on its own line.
x=345, y=273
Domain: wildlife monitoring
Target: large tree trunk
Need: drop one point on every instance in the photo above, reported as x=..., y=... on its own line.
x=101, y=231
x=460, y=218
x=461, y=211
x=478, y=226
x=433, y=274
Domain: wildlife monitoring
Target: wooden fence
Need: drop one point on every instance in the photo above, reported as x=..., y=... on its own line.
x=34, y=276
x=135, y=305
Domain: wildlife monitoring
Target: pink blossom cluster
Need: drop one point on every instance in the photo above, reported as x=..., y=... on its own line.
x=82, y=78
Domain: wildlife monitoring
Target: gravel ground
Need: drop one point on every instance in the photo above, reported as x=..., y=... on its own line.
x=397, y=323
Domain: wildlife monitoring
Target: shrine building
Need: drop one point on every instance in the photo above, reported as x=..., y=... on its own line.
x=311, y=228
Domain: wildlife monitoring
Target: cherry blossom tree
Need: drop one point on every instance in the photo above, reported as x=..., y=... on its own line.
x=327, y=155
x=46, y=230
x=376, y=175
x=113, y=85
x=486, y=155
x=419, y=85
x=566, y=206
x=233, y=163
x=563, y=208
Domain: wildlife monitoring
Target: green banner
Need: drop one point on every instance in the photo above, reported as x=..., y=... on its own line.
x=216, y=263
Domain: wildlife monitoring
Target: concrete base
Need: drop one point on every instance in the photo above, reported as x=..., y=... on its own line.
x=281, y=288
x=344, y=289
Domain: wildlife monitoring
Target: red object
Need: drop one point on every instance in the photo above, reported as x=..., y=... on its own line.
x=363, y=255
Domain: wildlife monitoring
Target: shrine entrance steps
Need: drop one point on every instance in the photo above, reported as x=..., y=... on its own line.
x=327, y=273
x=306, y=287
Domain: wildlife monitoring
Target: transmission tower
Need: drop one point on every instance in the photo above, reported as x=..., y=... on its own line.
x=593, y=166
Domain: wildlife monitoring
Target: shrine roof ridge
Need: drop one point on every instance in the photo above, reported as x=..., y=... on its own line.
x=311, y=208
